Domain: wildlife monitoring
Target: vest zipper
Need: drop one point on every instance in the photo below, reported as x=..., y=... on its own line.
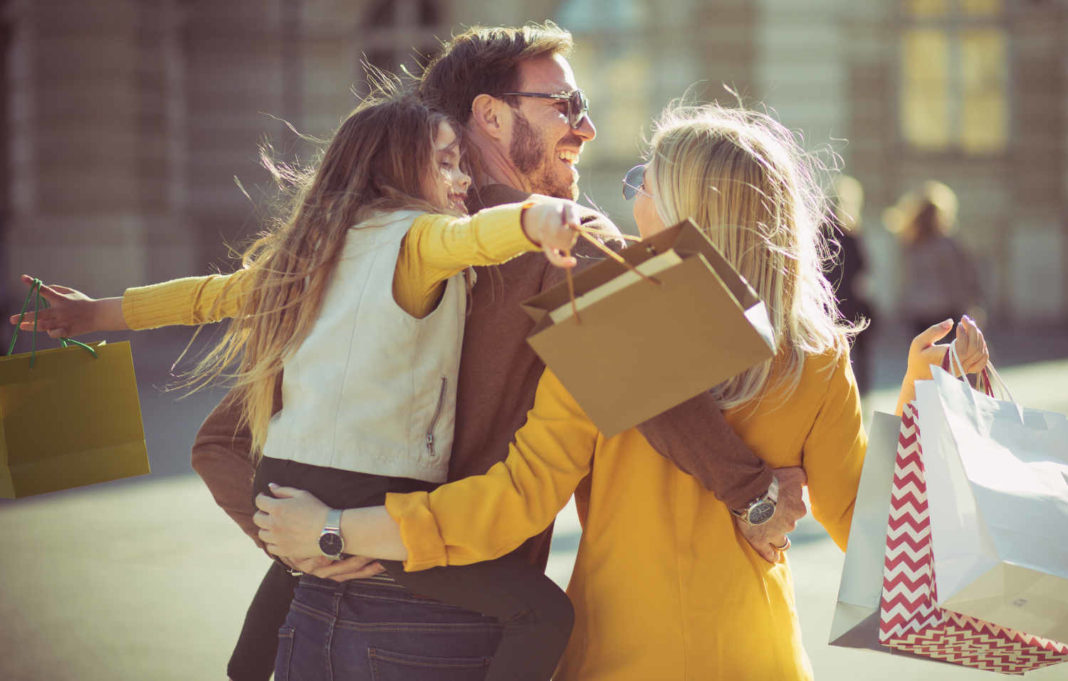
x=434, y=419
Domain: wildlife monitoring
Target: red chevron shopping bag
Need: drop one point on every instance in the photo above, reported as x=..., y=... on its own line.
x=909, y=619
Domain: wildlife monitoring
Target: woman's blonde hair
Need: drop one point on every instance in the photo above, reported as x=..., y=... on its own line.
x=743, y=178
x=380, y=159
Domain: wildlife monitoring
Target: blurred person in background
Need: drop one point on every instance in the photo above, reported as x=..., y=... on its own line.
x=847, y=272
x=939, y=277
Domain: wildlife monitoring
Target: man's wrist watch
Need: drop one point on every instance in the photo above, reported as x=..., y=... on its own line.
x=330, y=542
x=759, y=510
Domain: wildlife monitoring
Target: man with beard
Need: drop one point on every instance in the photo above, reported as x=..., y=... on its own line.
x=525, y=124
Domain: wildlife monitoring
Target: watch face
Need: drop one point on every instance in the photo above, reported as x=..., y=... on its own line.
x=331, y=544
x=761, y=512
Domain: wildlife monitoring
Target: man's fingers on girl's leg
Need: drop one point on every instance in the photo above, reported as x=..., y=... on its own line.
x=369, y=571
x=262, y=520
x=265, y=503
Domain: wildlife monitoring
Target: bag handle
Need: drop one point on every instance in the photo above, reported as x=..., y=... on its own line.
x=590, y=235
x=986, y=379
x=39, y=303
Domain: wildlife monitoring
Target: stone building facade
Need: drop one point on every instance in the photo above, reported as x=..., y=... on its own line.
x=125, y=122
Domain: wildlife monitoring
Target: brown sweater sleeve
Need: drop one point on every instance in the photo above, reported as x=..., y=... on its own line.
x=222, y=458
x=697, y=438
x=694, y=435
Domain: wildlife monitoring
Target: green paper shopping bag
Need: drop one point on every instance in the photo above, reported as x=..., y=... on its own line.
x=69, y=417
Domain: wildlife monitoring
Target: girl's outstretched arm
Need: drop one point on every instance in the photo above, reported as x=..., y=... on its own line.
x=440, y=246
x=71, y=313
x=188, y=301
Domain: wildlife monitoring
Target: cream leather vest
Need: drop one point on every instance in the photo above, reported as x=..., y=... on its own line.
x=373, y=389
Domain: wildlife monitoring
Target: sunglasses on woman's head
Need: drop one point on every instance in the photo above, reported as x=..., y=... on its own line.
x=634, y=182
x=578, y=107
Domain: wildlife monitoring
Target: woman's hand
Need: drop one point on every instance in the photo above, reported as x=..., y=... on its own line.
x=971, y=348
x=291, y=522
x=553, y=224
x=71, y=313
x=924, y=352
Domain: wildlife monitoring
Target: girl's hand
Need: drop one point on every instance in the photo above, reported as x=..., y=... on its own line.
x=290, y=522
x=553, y=224
x=923, y=353
x=72, y=313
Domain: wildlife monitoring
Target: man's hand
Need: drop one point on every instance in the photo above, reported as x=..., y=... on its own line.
x=768, y=539
x=290, y=523
x=353, y=567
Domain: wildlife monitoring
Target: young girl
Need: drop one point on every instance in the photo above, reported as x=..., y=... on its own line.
x=359, y=296
x=664, y=586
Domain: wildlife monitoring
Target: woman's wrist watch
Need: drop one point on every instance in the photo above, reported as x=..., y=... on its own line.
x=759, y=510
x=330, y=542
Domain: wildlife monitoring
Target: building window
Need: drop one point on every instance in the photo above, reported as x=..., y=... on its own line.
x=403, y=33
x=954, y=76
x=613, y=66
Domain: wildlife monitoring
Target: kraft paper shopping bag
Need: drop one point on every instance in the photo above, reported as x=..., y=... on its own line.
x=68, y=419
x=639, y=347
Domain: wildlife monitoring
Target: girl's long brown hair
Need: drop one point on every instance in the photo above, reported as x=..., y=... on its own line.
x=380, y=159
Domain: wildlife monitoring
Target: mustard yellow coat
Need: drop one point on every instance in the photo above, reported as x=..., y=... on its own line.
x=664, y=588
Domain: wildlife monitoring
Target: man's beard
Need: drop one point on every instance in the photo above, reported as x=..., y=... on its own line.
x=529, y=156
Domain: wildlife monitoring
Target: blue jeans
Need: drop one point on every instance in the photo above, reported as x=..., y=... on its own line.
x=371, y=631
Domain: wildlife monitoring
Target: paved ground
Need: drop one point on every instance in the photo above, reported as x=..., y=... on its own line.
x=147, y=579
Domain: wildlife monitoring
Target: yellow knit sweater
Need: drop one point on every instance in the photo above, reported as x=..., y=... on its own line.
x=663, y=587
x=436, y=248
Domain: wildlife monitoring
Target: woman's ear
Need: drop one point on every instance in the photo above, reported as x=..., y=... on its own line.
x=488, y=116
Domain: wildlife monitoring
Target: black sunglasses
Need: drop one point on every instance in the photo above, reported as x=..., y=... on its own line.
x=634, y=182
x=578, y=107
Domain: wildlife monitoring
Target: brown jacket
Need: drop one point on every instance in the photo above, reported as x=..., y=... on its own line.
x=499, y=374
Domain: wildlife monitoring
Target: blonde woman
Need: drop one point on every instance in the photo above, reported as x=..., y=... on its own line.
x=664, y=587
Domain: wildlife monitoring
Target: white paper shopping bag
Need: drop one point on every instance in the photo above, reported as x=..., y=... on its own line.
x=997, y=477
x=856, y=614
x=909, y=617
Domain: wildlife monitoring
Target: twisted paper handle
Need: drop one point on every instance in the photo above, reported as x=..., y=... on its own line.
x=35, y=294
x=590, y=234
x=984, y=382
